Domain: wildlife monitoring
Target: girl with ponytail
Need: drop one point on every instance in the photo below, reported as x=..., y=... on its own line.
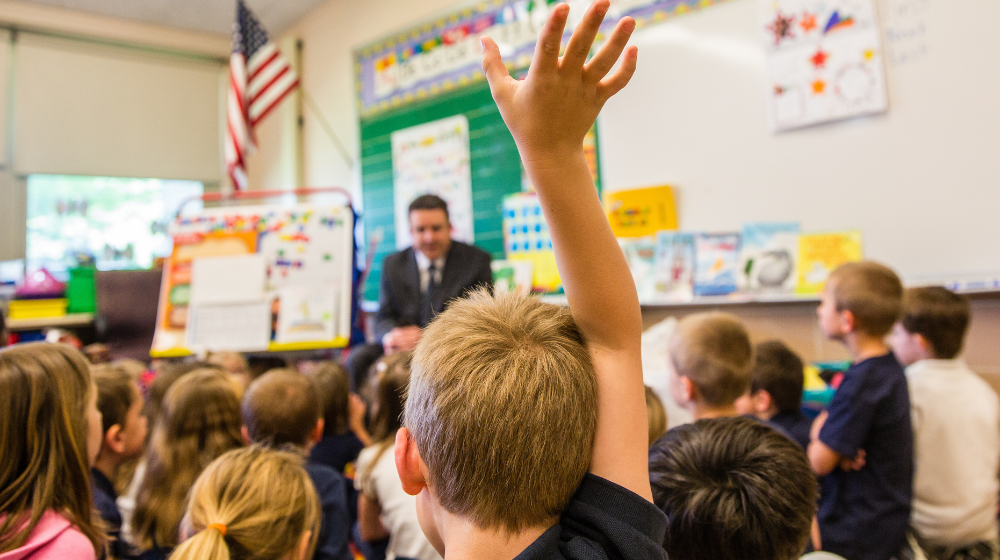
x=251, y=504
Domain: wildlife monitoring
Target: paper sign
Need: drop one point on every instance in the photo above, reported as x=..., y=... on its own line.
x=231, y=279
x=640, y=212
x=233, y=327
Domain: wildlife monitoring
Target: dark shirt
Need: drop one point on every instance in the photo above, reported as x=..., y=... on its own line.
x=339, y=452
x=603, y=520
x=794, y=424
x=863, y=514
x=104, y=501
x=334, y=529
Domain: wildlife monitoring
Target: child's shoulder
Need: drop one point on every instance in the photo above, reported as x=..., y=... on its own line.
x=54, y=538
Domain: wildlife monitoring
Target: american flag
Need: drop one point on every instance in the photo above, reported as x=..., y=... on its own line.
x=259, y=78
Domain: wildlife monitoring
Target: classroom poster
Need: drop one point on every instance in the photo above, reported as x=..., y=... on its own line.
x=640, y=254
x=674, y=266
x=433, y=158
x=640, y=212
x=821, y=253
x=824, y=61
x=526, y=238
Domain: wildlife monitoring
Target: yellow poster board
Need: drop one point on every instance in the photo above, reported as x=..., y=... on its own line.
x=820, y=254
x=641, y=212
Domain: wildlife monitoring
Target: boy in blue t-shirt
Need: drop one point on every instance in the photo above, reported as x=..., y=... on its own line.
x=862, y=447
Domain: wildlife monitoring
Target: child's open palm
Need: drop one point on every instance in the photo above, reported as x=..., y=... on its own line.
x=551, y=110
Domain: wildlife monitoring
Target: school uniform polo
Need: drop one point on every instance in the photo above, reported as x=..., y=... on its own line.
x=863, y=515
x=334, y=528
x=603, y=520
x=794, y=424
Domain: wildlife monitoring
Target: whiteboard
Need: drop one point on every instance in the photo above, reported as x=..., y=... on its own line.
x=922, y=181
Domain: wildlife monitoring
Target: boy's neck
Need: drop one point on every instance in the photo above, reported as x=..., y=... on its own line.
x=701, y=411
x=108, y=464
x=464, y=540
x=862, y=346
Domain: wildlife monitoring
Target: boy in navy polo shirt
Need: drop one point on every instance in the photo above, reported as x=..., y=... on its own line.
x=862, y=447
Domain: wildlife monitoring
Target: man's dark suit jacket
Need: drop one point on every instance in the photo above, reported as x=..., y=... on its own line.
x=465, y=268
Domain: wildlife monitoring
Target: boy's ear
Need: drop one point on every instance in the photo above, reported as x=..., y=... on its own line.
x=685, y=391
x=304, y=545
x=924, y=344
x=847, y=321
x=409, y=465
x=317, y=433
x=246, y=434
x=113, y=439
x=761, y=401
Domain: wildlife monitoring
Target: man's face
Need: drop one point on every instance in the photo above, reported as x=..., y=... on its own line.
x=431, y=232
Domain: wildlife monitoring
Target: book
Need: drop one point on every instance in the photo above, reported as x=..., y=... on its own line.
x=640, y=212
x=768, y=255
x=717, y=262
x=640, y=253
x=674, y=266
x=821, y=253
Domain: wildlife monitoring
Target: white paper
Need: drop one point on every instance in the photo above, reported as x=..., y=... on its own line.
x=235, y=279
x=235, y=327
x=307, y=314
x=433, y=158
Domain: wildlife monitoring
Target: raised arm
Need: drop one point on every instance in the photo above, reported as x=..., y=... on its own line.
x=549, y=113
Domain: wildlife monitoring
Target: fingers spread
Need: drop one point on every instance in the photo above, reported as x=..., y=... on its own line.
x=582, y=39
x=615, y=82
x=605, y=59
x=546, y=57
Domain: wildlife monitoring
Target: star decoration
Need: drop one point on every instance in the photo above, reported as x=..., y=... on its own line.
x=819, y=87
x=808, y=22
x=782, y=27
x=869, y=55
x=779, y=90
x=819, y=59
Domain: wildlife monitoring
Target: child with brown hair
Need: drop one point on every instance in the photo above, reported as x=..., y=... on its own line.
x=271, y=514
x=199, y=421
x=956, y=430
x=49, y=437
x=124, y=437
x=776, y=381
x=281, y=410
x=525, y=426
x=710, y=355
x=862, y=447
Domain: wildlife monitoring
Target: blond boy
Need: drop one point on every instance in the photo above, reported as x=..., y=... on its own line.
x=862, y=448
x=710, y=358
x=956, y=430
x=525, y=426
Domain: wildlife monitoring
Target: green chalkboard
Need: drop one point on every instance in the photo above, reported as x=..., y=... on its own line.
x=496, y=168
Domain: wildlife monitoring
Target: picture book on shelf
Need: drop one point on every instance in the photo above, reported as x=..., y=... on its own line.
x=768, y=254
x=640, y=253
x=717, y=262
x=821, y=253
x=674, y=266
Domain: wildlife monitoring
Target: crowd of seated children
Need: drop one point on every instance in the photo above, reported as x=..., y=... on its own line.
x=862, y=447
x=956, y=430
x=775, y=397
x=281, y=410
x=235, y=364
x=198, y=421
x=124, y=428
x=253, y=503
x=710, y=358
x=717, y=481
x=384, y=509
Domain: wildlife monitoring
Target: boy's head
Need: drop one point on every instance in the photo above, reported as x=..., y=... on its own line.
x=235, y=364
x=732, y=488
x=860, y=298
x=932, y=325
x=776, y=380
x=710, y=354
x=333, y=391
x=120, y=402
x=501, y=413
x=281, y=408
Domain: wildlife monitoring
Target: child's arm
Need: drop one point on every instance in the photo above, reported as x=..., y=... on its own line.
x=549, y=113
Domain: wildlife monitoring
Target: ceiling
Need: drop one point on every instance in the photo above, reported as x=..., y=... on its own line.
x=210, y=16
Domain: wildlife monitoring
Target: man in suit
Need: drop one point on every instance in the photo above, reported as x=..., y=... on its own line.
x=420, y=281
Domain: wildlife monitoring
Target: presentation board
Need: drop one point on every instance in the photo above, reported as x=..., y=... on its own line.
x=921, y=181
x=257, y=278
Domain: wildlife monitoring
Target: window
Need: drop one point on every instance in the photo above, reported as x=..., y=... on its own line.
x=119, y=223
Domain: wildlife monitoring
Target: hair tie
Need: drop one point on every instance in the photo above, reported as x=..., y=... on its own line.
x=219, y=526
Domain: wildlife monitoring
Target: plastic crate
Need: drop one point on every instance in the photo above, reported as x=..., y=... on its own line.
x=81, y=291
x=37, y=308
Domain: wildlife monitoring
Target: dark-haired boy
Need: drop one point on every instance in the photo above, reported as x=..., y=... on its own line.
x=776, y=381
x=956, y=430
x=281, y=410
x=862, y=447
x=701, y=475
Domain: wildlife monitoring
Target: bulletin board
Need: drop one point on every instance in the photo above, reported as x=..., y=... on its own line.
x=257, y=278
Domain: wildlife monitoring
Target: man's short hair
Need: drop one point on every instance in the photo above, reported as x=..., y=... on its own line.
x=502, y=406
x=732, y=489
x=871, y=292
x=713, y=350
x=939, y=315
x=429, y=202
x=281, y=408
x=116, y=393
x=779, y=371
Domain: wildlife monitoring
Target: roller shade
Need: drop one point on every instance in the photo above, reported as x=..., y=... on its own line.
x=84, y=109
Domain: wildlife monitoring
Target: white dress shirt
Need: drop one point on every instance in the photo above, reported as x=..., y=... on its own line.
x=424, y=265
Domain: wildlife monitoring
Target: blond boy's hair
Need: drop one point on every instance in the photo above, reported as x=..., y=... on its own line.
x=656, y=416
x=502, y=405
x=713, y=350
x=871, y=292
